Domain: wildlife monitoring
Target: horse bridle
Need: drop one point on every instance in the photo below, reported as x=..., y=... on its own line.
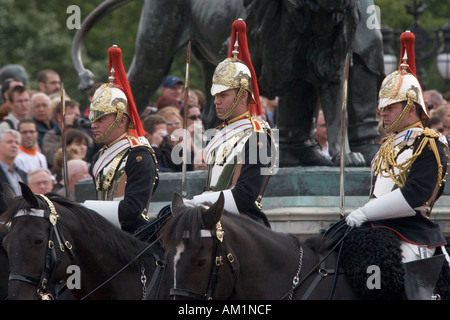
x=218, y=262
x=51, y=258
x=52, y=261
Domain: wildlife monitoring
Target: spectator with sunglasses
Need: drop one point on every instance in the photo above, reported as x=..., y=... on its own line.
x=197, y=142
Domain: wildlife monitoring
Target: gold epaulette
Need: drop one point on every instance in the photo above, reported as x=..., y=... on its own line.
x=428, y=132
x=387, y=166
x=134, y=142
x=257, y=125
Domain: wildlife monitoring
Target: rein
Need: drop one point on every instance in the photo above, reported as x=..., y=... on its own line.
x=160, y=263
x=52, y=260
x=321, y=269
x=218, y=259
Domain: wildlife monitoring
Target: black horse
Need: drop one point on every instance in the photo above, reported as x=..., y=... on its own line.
x=4, y=269
x=53, y=243
x=218, y=255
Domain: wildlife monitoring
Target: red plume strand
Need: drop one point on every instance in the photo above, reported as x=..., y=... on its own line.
x=115, y=61
x=407, y=40
x=240, y=27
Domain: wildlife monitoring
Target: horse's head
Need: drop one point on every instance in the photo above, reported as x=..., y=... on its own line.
x=41, y=232
x=196, y=250
x=36, y=248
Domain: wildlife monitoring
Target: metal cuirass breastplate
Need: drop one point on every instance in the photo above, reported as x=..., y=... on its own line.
x=224, y=162
x=113, y=179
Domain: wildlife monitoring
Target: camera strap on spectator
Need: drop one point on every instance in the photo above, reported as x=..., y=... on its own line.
x=10, y=123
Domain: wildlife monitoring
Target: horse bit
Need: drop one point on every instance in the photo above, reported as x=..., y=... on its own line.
x=51, y=259
x=216, y=234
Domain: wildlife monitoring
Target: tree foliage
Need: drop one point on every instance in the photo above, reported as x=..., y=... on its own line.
x=436, y=15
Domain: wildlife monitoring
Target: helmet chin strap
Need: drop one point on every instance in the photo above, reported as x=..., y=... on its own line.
x=411, y=97
x=394, y=127
x=233, y=105
x=110, y=128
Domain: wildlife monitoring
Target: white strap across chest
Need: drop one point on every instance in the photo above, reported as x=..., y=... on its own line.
x=109, y=155
x=226, y=133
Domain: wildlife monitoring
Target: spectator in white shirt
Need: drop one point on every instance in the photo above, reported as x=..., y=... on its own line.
x=30, y=156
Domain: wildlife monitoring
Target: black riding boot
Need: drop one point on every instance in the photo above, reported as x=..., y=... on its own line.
x=421, y=277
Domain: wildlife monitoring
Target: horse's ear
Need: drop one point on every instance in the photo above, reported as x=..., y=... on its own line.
x=177, y=202
x=214, y=213
x=28, y=195
x=8, y=194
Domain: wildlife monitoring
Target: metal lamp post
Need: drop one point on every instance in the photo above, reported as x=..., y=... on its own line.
x=443, y=58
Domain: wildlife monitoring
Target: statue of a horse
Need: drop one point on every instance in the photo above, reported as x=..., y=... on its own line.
x=298, y=49
x=54, y=243
x=218, y=255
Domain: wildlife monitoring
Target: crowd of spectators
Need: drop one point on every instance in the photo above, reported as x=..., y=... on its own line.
x=439, y=107
x=31, y=119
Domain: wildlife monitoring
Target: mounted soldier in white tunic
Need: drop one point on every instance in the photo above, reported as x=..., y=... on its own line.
x=409, y=168
x=240, y=156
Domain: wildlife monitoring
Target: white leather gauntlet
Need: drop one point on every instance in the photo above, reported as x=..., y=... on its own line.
x=390, y=206
x=211, y=197
x=108, y=209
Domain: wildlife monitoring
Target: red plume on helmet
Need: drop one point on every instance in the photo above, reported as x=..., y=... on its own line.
x=239, y=28
x=407, y=40
x=121, y=80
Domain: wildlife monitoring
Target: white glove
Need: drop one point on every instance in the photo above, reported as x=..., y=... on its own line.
x=189, y=202
x=389, y=206
x=356, y=218
x=107, y=209
x=209, y=197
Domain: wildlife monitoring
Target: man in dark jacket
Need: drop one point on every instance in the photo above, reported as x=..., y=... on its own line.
x=9, y=173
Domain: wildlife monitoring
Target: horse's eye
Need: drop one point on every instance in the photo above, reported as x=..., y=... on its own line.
x=201, y=262
x=38, y=241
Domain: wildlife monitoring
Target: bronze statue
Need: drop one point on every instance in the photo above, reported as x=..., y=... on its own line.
x=298, y=48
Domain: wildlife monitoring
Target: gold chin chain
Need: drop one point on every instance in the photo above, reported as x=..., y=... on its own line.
x=110, y=128
x=405, y=111
x=234, y=104
x=386, y=166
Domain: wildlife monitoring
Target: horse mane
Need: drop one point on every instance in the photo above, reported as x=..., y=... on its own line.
x=328, y=239
x=8, y=215
x=124, y=245
x=189, y=222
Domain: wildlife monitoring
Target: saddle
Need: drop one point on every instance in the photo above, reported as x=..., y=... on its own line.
x=365, y=248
